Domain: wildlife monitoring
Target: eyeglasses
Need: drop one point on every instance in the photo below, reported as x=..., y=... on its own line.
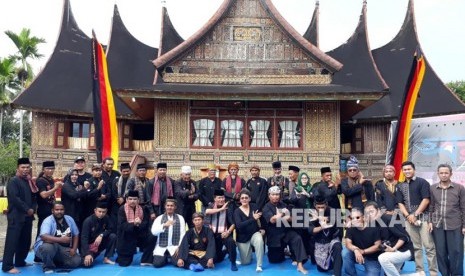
x=353, y=170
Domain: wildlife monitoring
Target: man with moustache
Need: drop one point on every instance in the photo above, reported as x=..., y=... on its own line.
x=119, y=189
x=385, y=190
x=185, y=192
x=258, y=187
x=233, y=184
x=328, y=188
x=169, y=228
x=20, y=216
x=221, y=221
x=97, y=191
x=133, y=231
x=140, y=184
x=279, y=180
x=160, y=188
x=447, y=221
x=355, y=187
x=208, y=185
x=197, y=248
x=97, y=235
x=58, y=240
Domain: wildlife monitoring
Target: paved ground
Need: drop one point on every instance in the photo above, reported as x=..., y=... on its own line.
x=3, y=224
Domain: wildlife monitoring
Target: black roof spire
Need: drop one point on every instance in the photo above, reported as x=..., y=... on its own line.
x=312, y=34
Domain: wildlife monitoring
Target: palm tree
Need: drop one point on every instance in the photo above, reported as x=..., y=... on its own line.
x=27, y=49
x=8, y=83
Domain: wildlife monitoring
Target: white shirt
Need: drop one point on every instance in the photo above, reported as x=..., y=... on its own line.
x=157, y=229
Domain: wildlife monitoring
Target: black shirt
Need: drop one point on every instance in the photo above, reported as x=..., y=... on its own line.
x=63, y=230
x=412, y=193
x=44, y=205
x=91, y=229
x=246, y=225
x=207, y=189
x=384, y=197
x=364, y=239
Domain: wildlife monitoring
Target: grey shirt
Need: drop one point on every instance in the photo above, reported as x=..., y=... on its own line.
x=447, y=206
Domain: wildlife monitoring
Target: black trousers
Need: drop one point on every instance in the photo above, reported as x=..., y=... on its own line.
x=276, y=254
x=17, y=243
x=146, y=244
x=161, y=261
x=449, y=250
x=230, y=249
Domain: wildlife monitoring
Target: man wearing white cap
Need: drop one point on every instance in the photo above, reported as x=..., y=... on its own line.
x=185, y=192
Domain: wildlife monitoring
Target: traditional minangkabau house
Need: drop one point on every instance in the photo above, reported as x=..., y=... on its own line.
x=246, y=87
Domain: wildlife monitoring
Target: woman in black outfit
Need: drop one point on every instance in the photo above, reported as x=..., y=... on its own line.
x=71, y=196
x=249, y=230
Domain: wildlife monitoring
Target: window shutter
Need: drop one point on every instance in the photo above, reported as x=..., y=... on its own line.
x=61, y=135
x=126, y=137
x=92, y=136
x=357, y=144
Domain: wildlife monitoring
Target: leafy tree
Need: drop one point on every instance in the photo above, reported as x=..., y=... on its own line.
x=27, y=49
x=8, y=160
x=8, y=85
x=458, y=87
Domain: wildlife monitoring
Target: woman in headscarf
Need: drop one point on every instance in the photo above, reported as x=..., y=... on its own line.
x=303, y=192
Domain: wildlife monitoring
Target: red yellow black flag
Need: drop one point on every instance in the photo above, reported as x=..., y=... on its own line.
x=401, y=137
x=106, y=129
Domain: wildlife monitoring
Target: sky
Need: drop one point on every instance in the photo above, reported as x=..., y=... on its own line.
x=440, y=23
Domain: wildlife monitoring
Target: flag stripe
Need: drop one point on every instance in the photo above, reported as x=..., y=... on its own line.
x=402, y=135
x=106, y=129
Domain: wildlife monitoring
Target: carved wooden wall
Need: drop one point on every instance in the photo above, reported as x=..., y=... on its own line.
x=171, y=124
x=43, y=129
x=322, y=127
x=376, y=137
x=246, y=47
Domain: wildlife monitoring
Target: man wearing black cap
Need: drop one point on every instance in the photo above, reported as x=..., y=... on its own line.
x=197, y=248
x=119, y=189
x=20, y=215
x=133, y=231
x=293, y=176
x=47, y=189
x=97, y=191
x=279, y=180
x=97, y=235
x=140, y=184
x=220, y=219
x=328, y=188
x=327, y=246
x=160, y=187
x=258, y=187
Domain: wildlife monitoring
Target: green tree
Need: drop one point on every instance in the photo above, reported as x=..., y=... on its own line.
x=8, y=85
x=8, y=160
x=27, y=46
x=458, y=87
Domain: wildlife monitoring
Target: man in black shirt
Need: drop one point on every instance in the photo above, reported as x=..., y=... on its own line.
x=328, y=188
x=413, y=197
x=258, y=187
x=109, y=175
x=97, y=235
x=20, y=215
x=362, y=246
x=118, y=192
x=279, y=180
x=185, y=192
x=207, y=187
x=220, y=219
x=396, y=245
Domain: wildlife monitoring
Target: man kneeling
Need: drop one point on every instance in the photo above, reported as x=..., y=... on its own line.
x=58, y=241
x=97, y=235
x=197, y=248
x=170, y=229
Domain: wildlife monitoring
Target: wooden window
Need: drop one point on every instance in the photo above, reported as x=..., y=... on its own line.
x=61, y=135
x=251, y=125
x=357, y=143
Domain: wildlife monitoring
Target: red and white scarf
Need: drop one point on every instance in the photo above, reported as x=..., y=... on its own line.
x=237, y=187
x=157, y=189
x=132, y=214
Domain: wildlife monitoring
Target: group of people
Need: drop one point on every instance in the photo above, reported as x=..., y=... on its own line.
x=385, y=223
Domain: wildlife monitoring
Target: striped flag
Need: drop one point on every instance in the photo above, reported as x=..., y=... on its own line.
x=400, y=143
x=106, y=129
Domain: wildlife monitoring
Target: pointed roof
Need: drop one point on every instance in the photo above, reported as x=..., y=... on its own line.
x=360, y=69
x=169, y=37
x=65, y=84
x=329, y=63
x=312, y=34
x=129, y=60
x=394, y=60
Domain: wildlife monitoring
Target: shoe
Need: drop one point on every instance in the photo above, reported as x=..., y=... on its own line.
x=192, y=267
x=145, y=264
x=234, y=267
x=259, y=269
x=48, y=271
x=198, y=268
